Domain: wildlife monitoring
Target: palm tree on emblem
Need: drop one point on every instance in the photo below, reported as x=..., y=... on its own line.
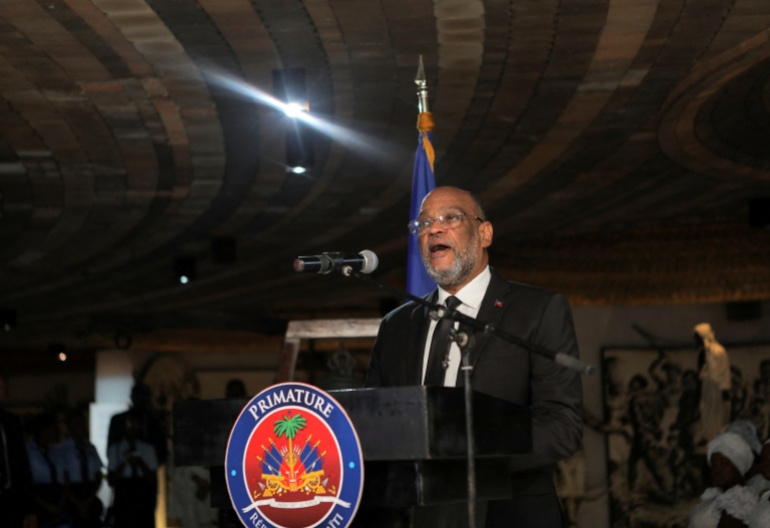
x=289, y=426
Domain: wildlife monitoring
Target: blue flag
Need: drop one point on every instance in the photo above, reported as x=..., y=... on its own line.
x=418, y=282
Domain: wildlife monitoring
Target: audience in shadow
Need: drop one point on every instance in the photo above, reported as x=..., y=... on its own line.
x=150, y=427
x=132, y=473
x=47, y=465
x=16, y=492
x=83, y=473
x=740, y=473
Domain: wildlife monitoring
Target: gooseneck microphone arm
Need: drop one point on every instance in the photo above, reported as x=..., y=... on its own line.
x=560, y=358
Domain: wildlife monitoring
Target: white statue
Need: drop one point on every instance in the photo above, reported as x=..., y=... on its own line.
x=715, y=384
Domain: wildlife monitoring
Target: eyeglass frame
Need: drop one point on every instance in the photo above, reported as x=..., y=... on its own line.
x=414, y=225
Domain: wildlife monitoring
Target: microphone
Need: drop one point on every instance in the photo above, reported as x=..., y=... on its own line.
x=568, y=361
x=365, y=262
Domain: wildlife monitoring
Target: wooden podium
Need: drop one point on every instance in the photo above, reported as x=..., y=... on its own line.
x=413, y=441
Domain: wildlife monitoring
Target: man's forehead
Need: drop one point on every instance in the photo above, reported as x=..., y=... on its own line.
x=440, y=209
x=446, y=201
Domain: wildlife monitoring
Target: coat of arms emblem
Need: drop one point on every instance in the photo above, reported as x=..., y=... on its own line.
x=294, y=460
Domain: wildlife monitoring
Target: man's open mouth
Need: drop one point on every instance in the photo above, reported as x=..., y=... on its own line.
x=438, y=248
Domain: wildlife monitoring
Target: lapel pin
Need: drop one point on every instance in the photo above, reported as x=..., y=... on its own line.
x=498, y=303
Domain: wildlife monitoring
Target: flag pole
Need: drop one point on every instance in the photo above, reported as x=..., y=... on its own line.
x=418, y=282
x=422, y=88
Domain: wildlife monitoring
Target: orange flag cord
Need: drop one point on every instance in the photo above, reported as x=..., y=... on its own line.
x=425, y=125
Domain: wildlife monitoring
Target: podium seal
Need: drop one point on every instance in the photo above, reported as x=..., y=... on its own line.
x=294, y=460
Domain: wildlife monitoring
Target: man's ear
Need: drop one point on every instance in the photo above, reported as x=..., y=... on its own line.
x=486, y=232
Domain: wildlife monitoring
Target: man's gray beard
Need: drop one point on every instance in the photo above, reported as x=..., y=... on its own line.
x=458, y=271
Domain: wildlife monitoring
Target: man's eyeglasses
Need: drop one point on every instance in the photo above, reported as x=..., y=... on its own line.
x=451, y=220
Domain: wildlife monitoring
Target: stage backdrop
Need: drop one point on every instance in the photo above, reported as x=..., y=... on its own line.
x=655, y=453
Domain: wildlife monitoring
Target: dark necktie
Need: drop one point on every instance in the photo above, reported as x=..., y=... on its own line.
x=439, y=346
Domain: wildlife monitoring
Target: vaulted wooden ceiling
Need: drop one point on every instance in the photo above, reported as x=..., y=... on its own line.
x=616, y=144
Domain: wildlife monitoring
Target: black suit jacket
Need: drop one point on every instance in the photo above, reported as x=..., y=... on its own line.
x=152, y=430
x=17, y=500
x=553, y=393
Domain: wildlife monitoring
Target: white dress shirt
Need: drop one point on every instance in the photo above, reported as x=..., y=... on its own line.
x=471, y=296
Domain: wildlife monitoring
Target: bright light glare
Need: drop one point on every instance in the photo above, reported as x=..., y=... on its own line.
x=294, y=110
x=183, y=279
x=299, y=169
x=338, y=133
x=62, y=356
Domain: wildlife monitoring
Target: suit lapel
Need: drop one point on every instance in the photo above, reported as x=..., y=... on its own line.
x=491, y=311
x=419, y=324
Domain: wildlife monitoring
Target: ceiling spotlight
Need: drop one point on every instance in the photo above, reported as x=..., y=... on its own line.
x=299, y=148
x=184, y=269
x=58, y=352
x=294, y=110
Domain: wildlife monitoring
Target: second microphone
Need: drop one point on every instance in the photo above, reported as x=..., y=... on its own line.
x=366, y=262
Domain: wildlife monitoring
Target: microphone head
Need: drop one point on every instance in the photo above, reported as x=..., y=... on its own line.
x=370, y=261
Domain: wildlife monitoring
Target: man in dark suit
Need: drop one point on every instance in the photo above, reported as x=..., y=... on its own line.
x=454, y=237
x=152, y=428
x=17, y=503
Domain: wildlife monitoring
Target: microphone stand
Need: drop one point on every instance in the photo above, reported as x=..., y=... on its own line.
x=466, y=341
x=464, y=336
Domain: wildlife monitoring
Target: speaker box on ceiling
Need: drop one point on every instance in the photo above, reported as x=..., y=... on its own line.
x=759, y=212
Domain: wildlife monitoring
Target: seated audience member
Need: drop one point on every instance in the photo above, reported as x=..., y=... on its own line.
x=235, y=389
x=132, y=466
x=47, y=468
x=758, y=478
x=747, y=430
x=760, y=515
x=83, y=471
x=727, y=504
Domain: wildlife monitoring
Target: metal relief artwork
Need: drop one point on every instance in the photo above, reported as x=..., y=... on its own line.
x=656, y=447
